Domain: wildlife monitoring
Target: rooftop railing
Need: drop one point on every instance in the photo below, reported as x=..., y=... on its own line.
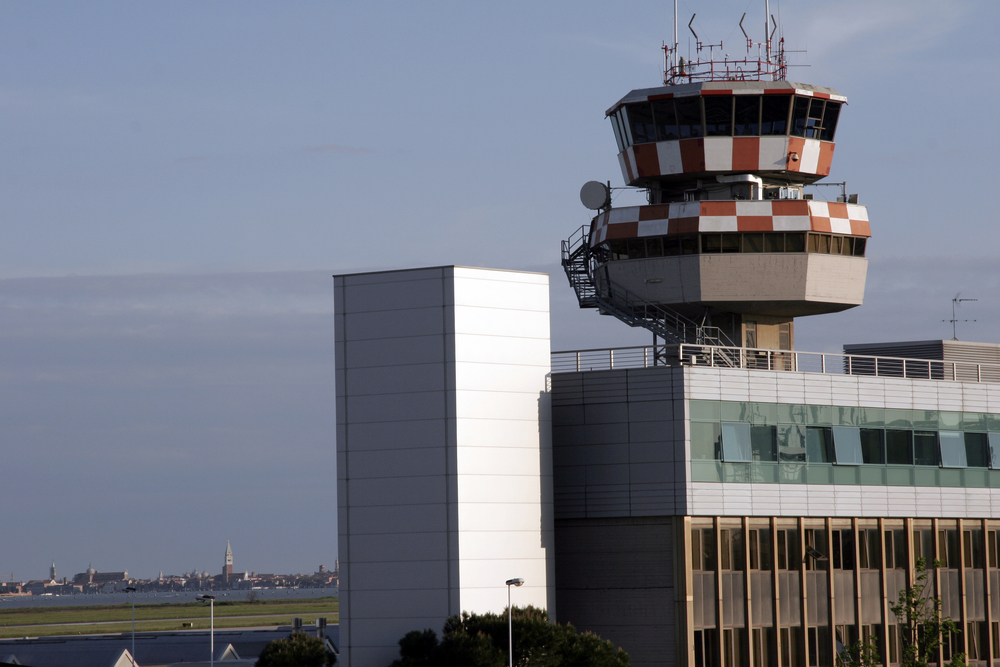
x=772, y=360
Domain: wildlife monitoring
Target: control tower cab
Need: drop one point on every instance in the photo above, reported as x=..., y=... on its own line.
x=730, y=247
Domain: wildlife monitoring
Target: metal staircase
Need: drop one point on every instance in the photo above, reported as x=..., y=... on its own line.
x=580, y=265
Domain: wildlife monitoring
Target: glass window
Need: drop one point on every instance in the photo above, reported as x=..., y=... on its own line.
x=736, y=442
x=842, y=549
x=750, y=337
x=818, y=448
x=625, y=126
x=869, y=548
x=795, y=242
x=948, y=548
x=952, y=449
x=791, y=444
x=872, y=445
x=899, y=447
x=705, y=438
x=995, y=451
x=774, y=242
x=636, y=248
x=814, y=120
x=671, y=245
x=847, y=442
x=895, y=549
x=665, y=119
x=977, y=450
x=800, y=112
x=925, y=448
x=640, y=116
x=788, y=548
x=689, y=244
x=747, y=115
x=830, y=120
x=731, y=549
x=753, y=243
x=688, y=116
x=703, y=549
x=618, y=132
x=711, y=243
x=718, y=116
x=764, y=443
x=817, y=554
x=774, y=114
x=730, y=243
x=760, y=548
x=654, y=247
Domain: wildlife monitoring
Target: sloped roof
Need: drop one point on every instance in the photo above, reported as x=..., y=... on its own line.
x=64, y=653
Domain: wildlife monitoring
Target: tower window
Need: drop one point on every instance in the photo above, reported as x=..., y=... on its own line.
x=747, y=115
x=718, y=116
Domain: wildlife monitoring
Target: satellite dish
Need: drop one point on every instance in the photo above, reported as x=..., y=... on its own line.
x=595, y=195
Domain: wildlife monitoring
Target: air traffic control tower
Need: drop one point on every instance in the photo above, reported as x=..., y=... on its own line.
x=715, y=499
x=730, y=248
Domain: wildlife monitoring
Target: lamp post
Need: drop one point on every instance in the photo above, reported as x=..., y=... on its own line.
x=211, y=602
x=131, y=591
x=510, y=619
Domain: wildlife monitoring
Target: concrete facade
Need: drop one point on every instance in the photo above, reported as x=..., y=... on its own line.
x=781, y=284
x=636, y=491
x=443, y=450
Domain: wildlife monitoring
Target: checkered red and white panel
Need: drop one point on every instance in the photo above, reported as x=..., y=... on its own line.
x=747, y=154
x=782, y=215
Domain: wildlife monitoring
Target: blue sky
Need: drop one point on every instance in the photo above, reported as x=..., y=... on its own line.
x=178, y=181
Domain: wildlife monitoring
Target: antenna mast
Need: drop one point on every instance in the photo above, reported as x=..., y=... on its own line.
x=767, y=26
x=955, y=302
x=762, y=62
x=675, y=33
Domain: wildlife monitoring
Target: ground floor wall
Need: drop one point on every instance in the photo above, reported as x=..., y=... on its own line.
x=714, y=591
x=615, y=577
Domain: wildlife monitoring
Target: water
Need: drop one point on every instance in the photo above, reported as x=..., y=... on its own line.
x=163, y=598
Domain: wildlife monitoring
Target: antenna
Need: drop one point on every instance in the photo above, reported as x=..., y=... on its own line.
x=957, y=302
x=763, y=61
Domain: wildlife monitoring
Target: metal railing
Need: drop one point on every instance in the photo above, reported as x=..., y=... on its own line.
x=772, y=360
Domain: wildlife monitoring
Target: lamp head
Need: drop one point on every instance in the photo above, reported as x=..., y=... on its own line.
x=515, y=582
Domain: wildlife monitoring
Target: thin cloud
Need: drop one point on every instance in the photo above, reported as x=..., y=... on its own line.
x=337, y=148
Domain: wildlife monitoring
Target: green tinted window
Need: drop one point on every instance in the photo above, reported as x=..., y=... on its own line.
x=705, y=440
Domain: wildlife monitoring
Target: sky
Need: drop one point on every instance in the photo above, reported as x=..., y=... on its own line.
x=179, y=181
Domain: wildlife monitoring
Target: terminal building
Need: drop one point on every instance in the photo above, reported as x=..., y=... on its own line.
x=718, y=498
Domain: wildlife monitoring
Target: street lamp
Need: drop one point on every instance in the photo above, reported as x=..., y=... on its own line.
x=131, y=591
x=510, y=619
x=211, y=602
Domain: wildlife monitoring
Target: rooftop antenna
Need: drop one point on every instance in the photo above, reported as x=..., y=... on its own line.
x=957, y=302
x=763, y=61
x=767, y=37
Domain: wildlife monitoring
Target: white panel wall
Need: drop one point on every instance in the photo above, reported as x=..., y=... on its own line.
x=444, y=480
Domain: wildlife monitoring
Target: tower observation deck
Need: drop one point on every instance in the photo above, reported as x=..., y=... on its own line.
x=730, y=247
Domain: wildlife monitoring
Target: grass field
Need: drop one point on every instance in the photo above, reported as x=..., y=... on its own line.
x=34, y=622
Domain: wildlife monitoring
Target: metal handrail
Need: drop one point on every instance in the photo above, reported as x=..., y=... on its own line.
x=826, y=363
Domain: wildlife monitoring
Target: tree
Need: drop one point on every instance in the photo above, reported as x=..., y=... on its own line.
x=480, y=640
x=296, y=650
x=921, y=624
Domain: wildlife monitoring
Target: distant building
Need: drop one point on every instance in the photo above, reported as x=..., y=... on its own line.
x=227, y=567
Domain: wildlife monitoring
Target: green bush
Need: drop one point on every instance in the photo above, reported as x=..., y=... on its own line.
x=297, y=650
x=480, y=640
